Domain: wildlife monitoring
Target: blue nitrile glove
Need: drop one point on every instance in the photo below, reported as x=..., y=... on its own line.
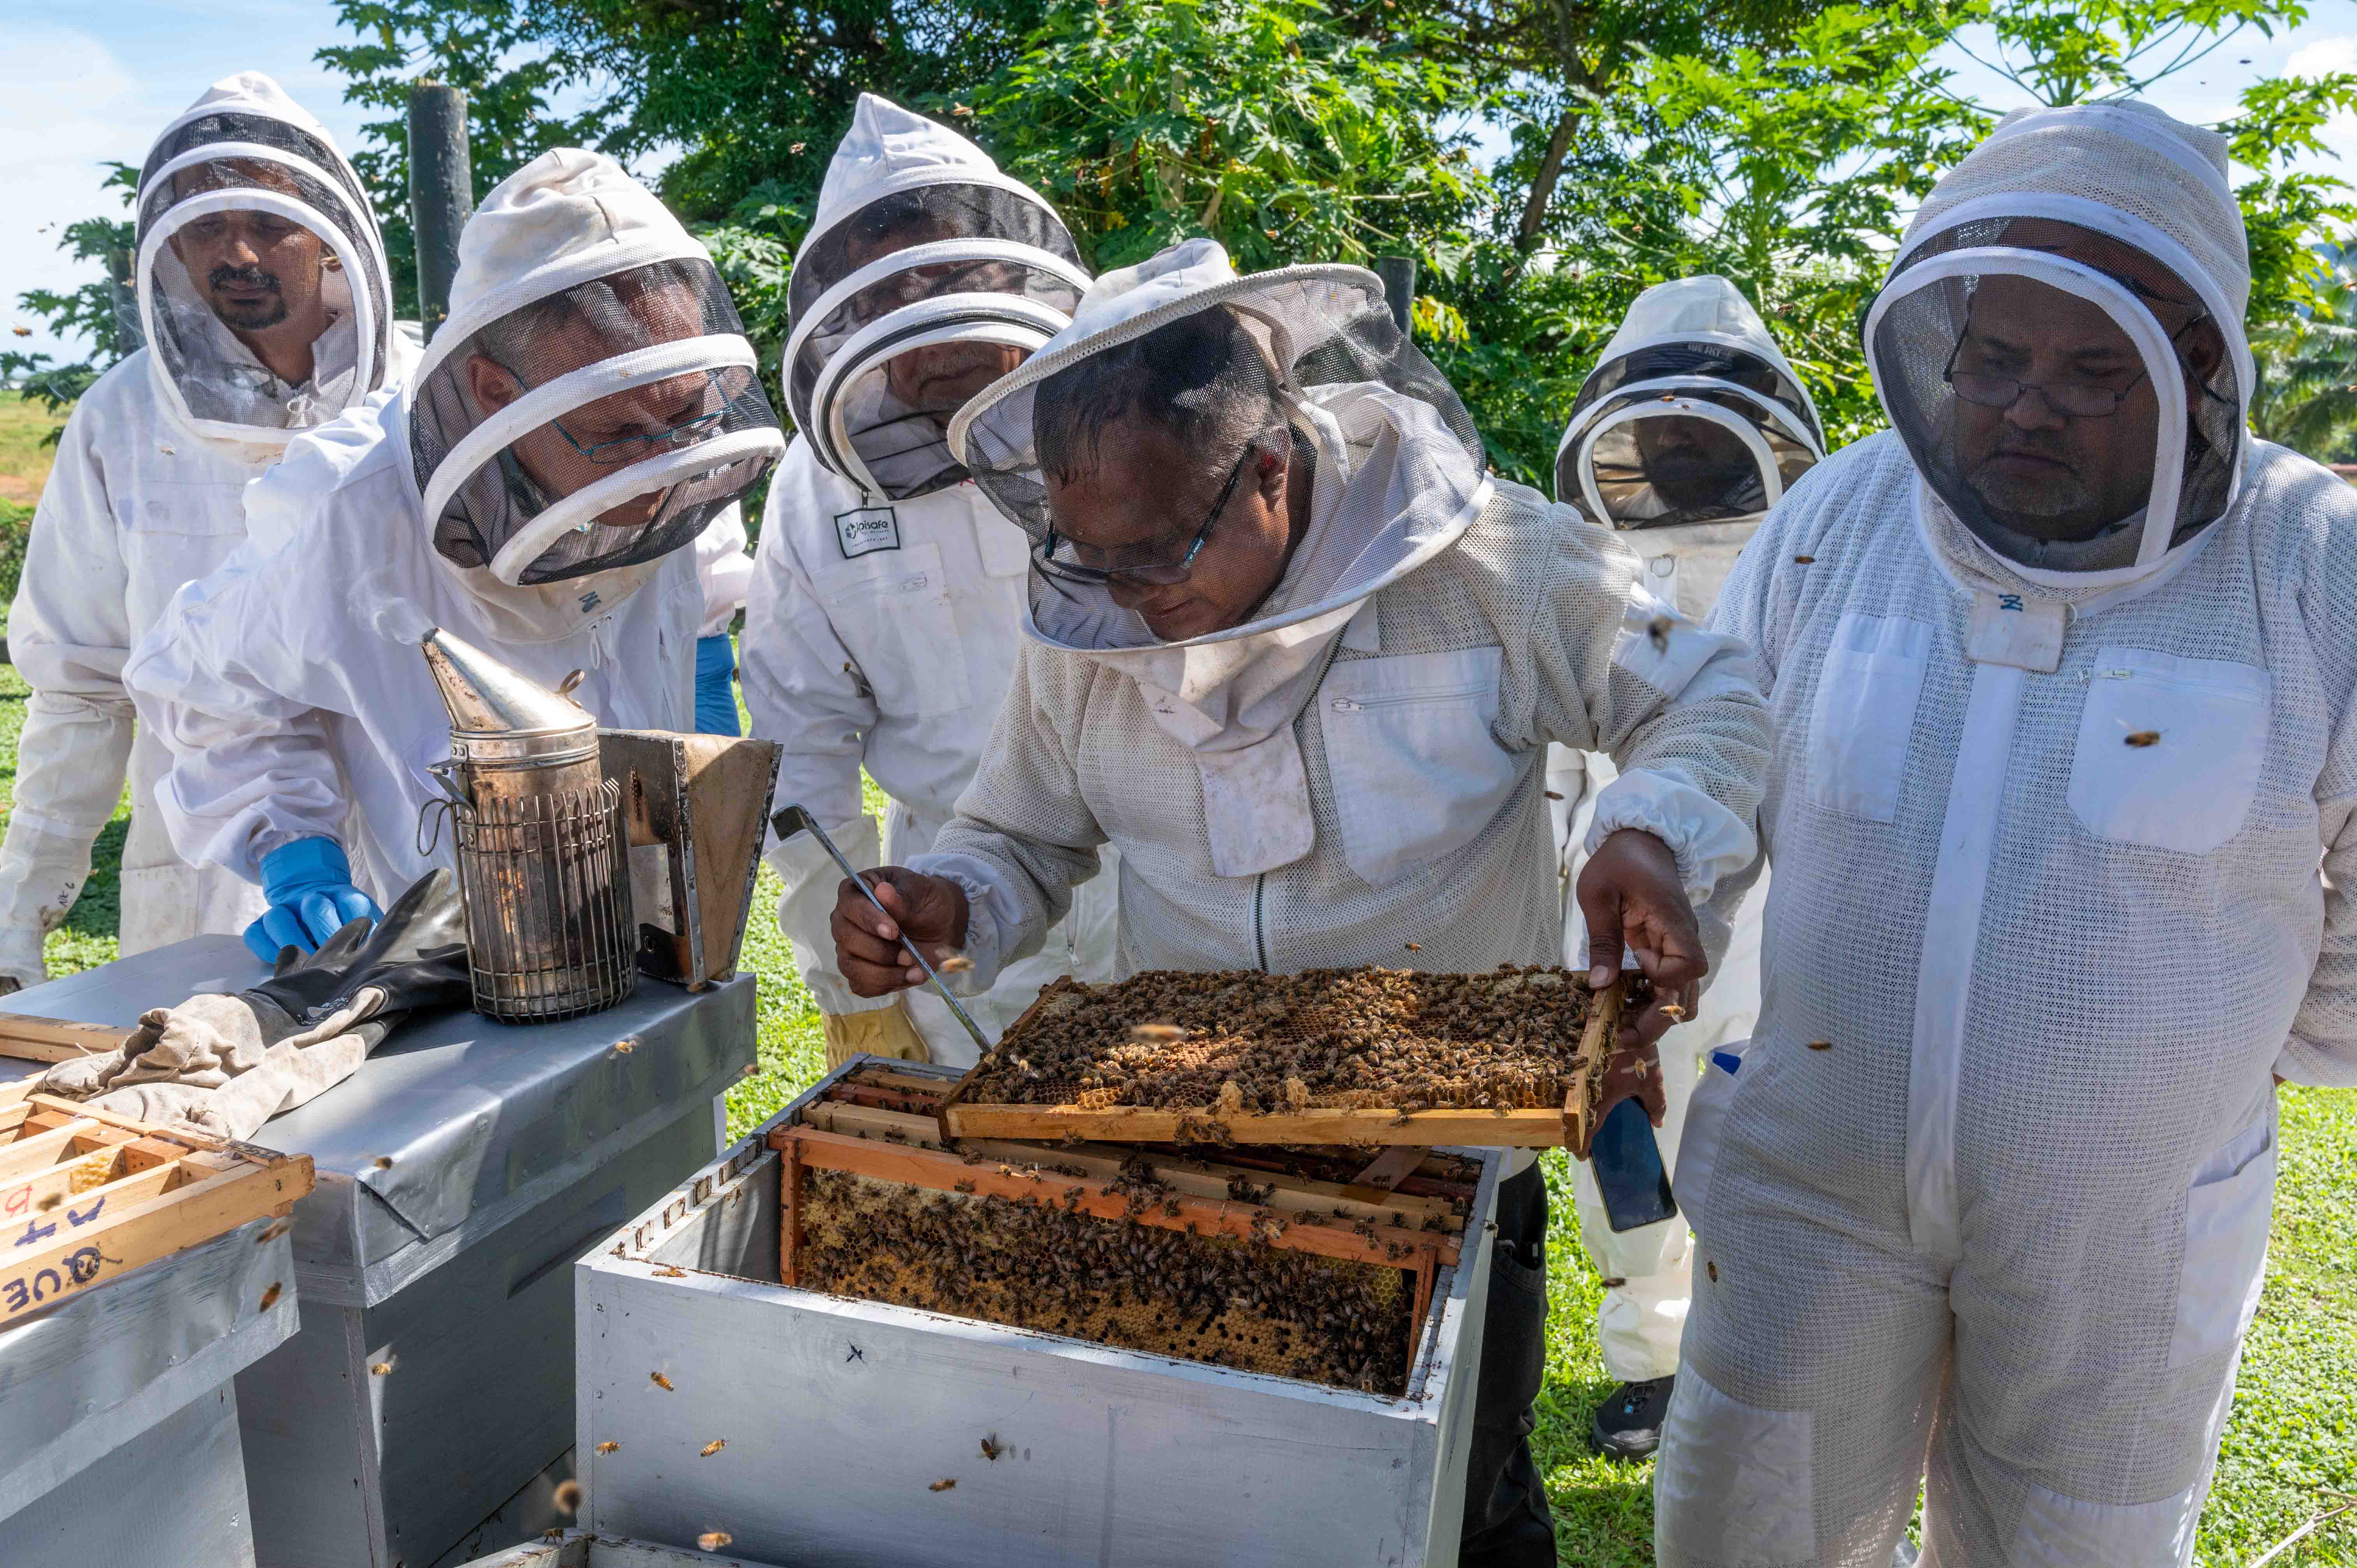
x=309, y=886
x=716, y=699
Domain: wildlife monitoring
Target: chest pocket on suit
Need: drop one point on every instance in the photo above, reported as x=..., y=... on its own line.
x=2169, y=749
x=891, y=608
x=172, y=526
x=1415, y=771
x=1864, y=716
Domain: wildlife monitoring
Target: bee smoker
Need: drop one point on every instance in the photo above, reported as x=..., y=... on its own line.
x=543, y=859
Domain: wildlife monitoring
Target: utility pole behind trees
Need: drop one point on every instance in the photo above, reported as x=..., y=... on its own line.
x=441, y=192
x=1398, y=273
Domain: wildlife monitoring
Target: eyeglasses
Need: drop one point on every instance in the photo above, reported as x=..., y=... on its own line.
x=1154, y=574
x=631, y=449
x=2072, y=399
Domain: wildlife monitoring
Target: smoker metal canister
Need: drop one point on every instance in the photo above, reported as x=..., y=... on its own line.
x=543, y=857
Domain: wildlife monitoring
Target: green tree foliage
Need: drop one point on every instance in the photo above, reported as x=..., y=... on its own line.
x=489, y=48
x=1263, y=123
x=101, y=310
x=2307, y=395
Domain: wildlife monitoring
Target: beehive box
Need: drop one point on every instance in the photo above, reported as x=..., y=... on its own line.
x=810, y=1426
x=1358, y=1057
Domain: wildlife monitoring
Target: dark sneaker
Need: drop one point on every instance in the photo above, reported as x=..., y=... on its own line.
x=1627, y=1425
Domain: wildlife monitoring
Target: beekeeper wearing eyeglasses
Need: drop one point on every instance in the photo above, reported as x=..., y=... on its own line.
x=588, y=410
x=1689, y=428
x=2061, y=668
x=1295, y=654
x=887, y=598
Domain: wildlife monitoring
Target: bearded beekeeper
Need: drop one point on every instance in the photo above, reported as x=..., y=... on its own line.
x=267, y=311
x=1690, y=427
x=2061, y=670
x=1295, y=654
x=589, y=406
x=889, y=595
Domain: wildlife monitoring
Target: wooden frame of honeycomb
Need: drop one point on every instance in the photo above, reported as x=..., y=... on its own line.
x=1238, y=1265
x=1254, y=1027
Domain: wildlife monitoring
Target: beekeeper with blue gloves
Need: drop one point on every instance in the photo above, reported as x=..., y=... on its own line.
x=266, y=310
x=588, y=410
x=2063, y=670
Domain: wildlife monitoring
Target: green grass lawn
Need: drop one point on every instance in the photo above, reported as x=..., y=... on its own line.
x=2290, y=1452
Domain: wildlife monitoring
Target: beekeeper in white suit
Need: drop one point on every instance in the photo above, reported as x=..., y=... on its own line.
x=267, y=310
x=888, y=594
x=2062, y=669
x=589, y=406
x=1688, y=429
x=1293, y=652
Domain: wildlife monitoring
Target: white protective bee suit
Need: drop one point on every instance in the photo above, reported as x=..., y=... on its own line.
x=1689, y=350
x=147, y=493
x=1357, y=769
x=1355, y=776
x=888, y=593
x=1995, y=1173
x=289, y=684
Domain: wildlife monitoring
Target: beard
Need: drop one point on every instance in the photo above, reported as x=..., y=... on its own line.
x=2052, y=502
x=247, y=315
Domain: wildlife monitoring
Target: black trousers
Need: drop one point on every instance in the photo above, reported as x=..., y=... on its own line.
x=1506, y=1520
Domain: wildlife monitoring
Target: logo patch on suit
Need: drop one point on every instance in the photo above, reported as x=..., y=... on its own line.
x=866, y=530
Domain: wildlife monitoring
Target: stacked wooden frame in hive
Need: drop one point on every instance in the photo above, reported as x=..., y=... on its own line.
x=86, y=1195
x=1229, y=1263
x=977, y=1109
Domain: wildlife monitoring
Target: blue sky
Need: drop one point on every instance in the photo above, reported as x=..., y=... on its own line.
x=80, y=83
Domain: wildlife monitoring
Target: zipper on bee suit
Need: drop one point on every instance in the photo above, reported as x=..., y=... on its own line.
x=1397, y=699
x=1260, y=928
x=1951, y=925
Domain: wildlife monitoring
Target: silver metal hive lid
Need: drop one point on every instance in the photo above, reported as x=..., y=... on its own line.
x=498, y=714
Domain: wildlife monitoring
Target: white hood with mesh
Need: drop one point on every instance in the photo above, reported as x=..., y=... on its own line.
x=244, y=157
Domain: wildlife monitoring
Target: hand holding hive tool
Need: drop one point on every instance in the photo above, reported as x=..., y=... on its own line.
x=797, y=818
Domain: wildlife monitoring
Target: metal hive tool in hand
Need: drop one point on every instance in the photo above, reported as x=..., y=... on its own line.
x=797, y=818
x=543, y=860
x=1353, y=1057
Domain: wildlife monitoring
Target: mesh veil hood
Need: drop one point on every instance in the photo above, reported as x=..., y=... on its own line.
x=1695, y=350
x=1396, y=476
x=2117, y=205
x=927, y=271
x=591, y=403
x=249, y=188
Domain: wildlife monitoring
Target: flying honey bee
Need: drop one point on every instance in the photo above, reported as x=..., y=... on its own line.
x=714, y=1539
x=270, y=1297
x=956, y=964
x=609, y=1446
x=382, y=1369
x=947, y=1483
x=2144, y=737
x=568, y=1496
x=714, y=1446
x=661, y=1382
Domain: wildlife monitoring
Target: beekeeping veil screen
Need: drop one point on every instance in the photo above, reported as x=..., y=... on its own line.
x=928, y=273
x=1691, y=415
x=1396, y=476
x=591, y=403
x=1322, y=329
x=2061, y=344
x=251, y=226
